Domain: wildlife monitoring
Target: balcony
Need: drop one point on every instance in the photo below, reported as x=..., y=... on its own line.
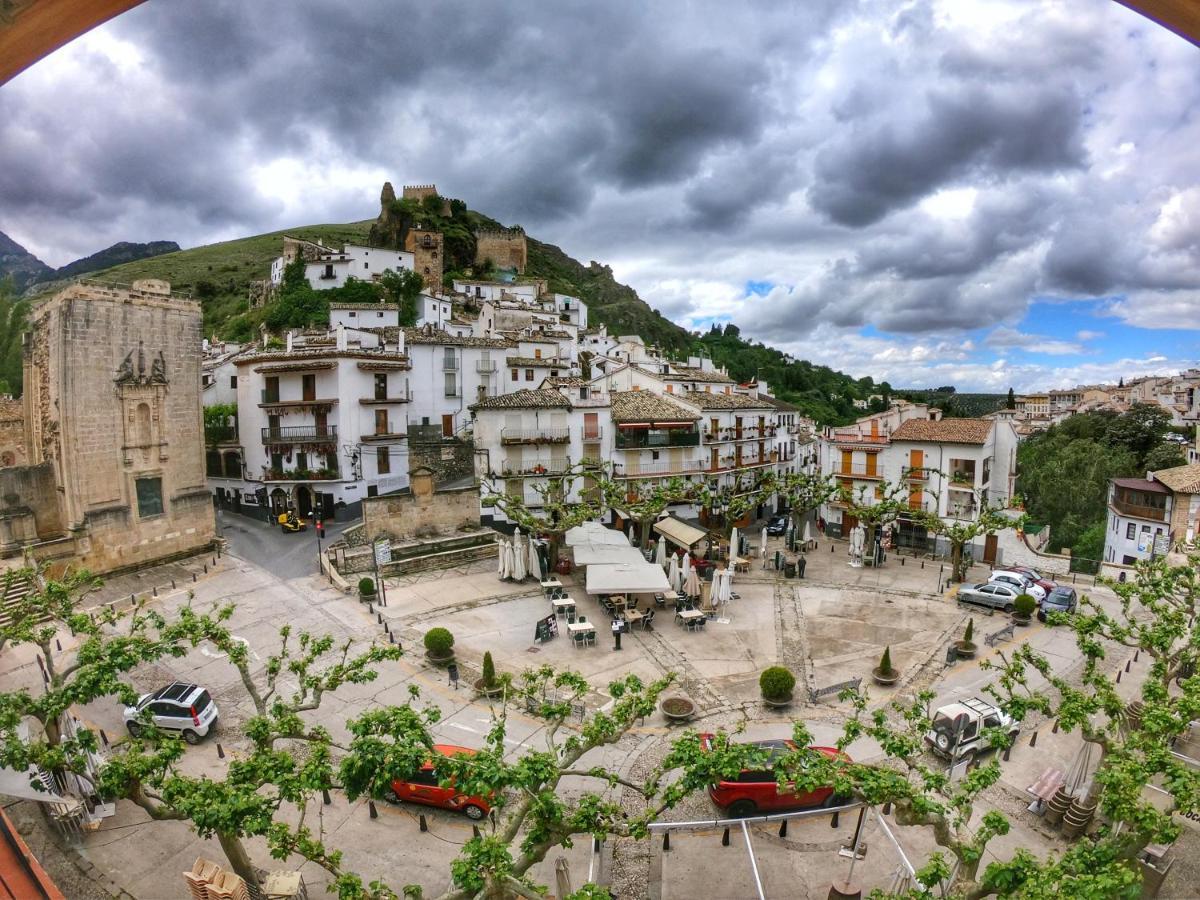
x=534, y=436
x=636, y=439
x=381, y=401
x=916, y=473
x=300, y=474
x=661, y=469
x=385, y=436
x=746, y=433
x=858, y=471
x=593, y=435
x=267, y=401
x=853, y=437
x=485, y=367
x=220, y=434
x=734, y=464
x=450, y=364
x=300, y=434
x=962, y=510
x=1138, y=511
x=533, y=470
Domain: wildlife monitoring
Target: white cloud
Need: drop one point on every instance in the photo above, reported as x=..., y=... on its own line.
x=1004, y=338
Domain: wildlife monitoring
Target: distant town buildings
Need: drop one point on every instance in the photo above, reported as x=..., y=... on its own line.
x=1178, y=394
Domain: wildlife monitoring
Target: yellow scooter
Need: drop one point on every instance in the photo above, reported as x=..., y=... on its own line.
x=290, y=522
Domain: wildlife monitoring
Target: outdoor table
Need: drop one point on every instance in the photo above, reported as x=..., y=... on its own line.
x=576, y=628
x=739, y=564
x=686, y=614
x=633, y=616
x=618, y=601
x=562, y=604
x=550, y=584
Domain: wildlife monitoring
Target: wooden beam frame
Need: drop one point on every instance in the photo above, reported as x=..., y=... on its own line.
x=32, y=29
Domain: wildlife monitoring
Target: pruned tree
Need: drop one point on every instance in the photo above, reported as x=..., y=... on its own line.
x=561, y=506
x=806, y=492
x=646, y=502
x=874, y=505
x=988, y=519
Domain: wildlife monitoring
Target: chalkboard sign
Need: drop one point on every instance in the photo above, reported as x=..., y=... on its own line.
x=545, y=629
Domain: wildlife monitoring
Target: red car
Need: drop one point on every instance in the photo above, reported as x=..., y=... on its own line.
x=1044, y=583
x=424, y=788
x=756, y=791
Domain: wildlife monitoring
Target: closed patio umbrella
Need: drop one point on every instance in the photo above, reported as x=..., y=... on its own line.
x=505, y=556
x=693, y=583
x=519, y=570
x=535, y=562
x=660, y=552
x=807, y=532
x=673, y=572
x=562, y=877
x=733, y=543
x=500, y=544
x=762, y=545
x=686, y=571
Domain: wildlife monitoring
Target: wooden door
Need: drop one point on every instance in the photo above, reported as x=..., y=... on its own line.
x=847, y=465
x=872, y=463
x=989, y=549
x=448, y=426
x=916, y=460
x=381, y=421
x=322, y=424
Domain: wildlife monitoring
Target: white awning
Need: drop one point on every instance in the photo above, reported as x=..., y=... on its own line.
x=595, y=533
x=626, y=578
x=681, y=533
x=605, y=554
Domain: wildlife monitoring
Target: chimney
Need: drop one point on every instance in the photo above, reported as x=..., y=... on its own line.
x=289, y=341
x=341, y=336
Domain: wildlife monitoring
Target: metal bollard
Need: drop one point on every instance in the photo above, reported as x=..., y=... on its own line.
x=172, y=584
x=1118, y=676
x=220, y=752
x=374, y=811
x=1136, y=654
x=193, y=578
x=1033, y=739
x=902, y=560
x=475, y=832
x=1054, y=730
x=783, y=828
x=725, y=837
x=887, y=808
x=206, y=568
x=325, y=796
x=58, y=644
x=1128, y=663
x=424, y=824
x=103, y=737
x=666, y=841
x=834, y=822
x=1007, y=753
x=154, y=591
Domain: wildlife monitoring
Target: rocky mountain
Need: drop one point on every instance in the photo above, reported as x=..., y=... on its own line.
x=27, y=270
x=20, y=264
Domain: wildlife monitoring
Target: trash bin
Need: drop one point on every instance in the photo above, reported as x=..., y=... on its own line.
x=789, y=569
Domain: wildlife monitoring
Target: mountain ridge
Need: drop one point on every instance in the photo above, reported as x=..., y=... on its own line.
x=27, y=271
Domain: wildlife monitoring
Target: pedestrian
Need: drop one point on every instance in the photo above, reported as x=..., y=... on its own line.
x=800, y=564
x=821, y=524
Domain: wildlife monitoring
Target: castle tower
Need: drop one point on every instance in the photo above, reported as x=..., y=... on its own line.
x=426, y=248
x=505, y=247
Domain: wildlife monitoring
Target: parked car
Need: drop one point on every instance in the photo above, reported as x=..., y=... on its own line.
x=1062, y=599
x=1040, y=580
x=967, y=720
x=777, y=526
x=180, y=706
x=425, y=787
x=993, y=593
x=1019, y=580
x=756, y=790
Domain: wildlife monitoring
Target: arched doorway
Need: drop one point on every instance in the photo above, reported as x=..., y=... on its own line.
x=279, y=501
x=304, y=501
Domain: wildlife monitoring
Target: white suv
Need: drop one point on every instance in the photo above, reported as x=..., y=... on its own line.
x=957, y=730
x=1020, y=581
x=180, y=706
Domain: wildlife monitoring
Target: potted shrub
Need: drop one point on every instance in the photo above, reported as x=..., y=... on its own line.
x=776, y=684
x=489, y=685
x=439, y=646
x=366, y=589
x=678, y=709
x=966, y=647
x=1023, y=608
x=884, y=673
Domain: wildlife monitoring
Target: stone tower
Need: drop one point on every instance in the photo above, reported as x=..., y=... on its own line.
x=112, y=402
x=426, y=248
x=390, y=229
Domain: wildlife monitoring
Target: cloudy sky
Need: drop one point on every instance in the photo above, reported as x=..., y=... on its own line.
x=961, y=192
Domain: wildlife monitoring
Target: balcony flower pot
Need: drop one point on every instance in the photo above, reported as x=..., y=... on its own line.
x=678, y=709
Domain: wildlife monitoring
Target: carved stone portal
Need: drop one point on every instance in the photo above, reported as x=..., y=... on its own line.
x=127, y=374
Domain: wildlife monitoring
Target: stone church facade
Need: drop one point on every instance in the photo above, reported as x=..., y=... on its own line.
x=112, y=409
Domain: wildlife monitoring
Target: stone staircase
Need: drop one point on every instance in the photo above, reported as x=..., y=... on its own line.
x=15, y=584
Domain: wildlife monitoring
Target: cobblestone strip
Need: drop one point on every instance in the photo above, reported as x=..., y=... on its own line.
x=791, y=635
x=670, y=658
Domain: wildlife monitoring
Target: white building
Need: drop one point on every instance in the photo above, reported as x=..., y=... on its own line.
x=364, y=315
x=452, y=372
x=327, y=268
x=1150, y=516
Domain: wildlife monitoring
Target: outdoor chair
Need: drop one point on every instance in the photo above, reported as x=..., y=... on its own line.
x=579, y=639
x=582, y=619
x=647, y=621
x=590, y=638
x=570, y=616
x=632, y=604
x=660, y=601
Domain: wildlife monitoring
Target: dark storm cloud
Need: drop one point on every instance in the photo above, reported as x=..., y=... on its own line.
x=882, y=166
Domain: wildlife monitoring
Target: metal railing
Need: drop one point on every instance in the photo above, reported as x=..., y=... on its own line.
x=634, y=439
x=534, y=470
x=485, y=366
x=299, y=434
x=853, y=437
x=853, y=471
x=916, y=473
x=1138, y=511
x=661, y=469
x=534, y=435
x=745, y=433
x=450, y=364
x=593, y=435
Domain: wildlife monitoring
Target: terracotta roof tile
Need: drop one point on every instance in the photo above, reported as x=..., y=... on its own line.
x=532, y=362
x=686, y=373
x=945, y=431
x=646, y=406
x=526, y=399
x=709, y=400
x=1181, y=479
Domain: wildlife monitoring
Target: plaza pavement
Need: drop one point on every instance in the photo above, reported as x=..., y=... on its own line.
x=828, y=627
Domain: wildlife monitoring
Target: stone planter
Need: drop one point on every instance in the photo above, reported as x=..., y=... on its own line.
x=778, y=703
x=494, y=691
x=440, y=660
x=965, y=649
x=1133, y=715
x=678, y=709
x=1077, y=818
x=886, y=679
x=1021, y=620
x=1056, y=807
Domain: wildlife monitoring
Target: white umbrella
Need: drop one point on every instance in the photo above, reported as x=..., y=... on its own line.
x=562, y=877
x=535, y=561
x=763, y=543
x=660, y=552
x=505, y=550
x=673, y=572
x=500, y=545
x=807, y=532
x=519, y=570
x=686, y=569
x=692, y=585
x=733, y=544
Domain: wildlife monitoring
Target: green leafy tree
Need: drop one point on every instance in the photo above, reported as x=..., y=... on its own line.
x=875, y=505
x=806, y=492
x=403, y=288
x=297, y=305
x=1140, y=430
x=1166, y=455
x=960, y=532
x=1011, y=401
x=646, y=502
x=13, y=314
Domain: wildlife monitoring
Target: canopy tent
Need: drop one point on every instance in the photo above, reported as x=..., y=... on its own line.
x=681, y=533
x=626, y=578
x=605, y=554
x=595, y=533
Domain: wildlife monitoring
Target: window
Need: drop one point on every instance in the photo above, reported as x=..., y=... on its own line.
x=1145, y=529
x=372, y=490
x=451, y=384
x=381, y=421
x=271, y=389
x=529, y=374
x=302, y=462
x=366, y=265
x=149, y=497
x=328, y=271
x=583, y=393
x=516, y=375
x=383, y=460
x=309, y=386
x=537, y=353
x=381, y=386
x=1130, y=531
x=232, y=381
x=353, y=314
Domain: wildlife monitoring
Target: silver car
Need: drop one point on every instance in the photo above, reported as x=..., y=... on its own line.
x=995, y=594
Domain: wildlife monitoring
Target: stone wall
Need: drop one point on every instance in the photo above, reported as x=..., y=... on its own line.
x=449, y=459
x=12, y=433
x=506, y=248
x=422, y=511
x=113, y=401
x=29, y=510
x=426, y=248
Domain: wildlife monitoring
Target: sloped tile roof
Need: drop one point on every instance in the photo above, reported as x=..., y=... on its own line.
x=433, y=336
x=1181, y=479
x=945, y=431
x=365, y=306
x=526, y=399
x=707, y=400
x=533, y=362
x=646, y=406
x=781, y=405
x=686, y=373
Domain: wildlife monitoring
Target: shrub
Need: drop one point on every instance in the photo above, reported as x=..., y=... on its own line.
x=885, y=662
x=489, y=671
x=1024, y=605
x=366, y=587
x=776, y=683
x=438, y=641
x=969, y=634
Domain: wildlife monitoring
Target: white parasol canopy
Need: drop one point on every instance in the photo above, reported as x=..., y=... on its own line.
x=660, y=552
x=505, y=557
x=500, y=545
x=535, y=561
x=807, y=532
x=519, y=570
x=605, y=554
x=673, y=573
x=685, y=570
x=734, y=546
x=692, y=585
x=594, y=533
x=762, y=545
x=562, y=877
